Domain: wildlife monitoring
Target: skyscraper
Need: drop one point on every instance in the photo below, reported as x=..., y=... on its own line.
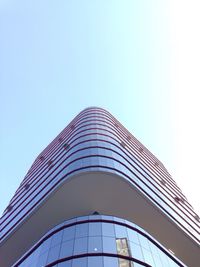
x=97, y=197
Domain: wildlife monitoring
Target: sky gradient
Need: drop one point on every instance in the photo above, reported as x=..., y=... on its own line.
x=138, y=59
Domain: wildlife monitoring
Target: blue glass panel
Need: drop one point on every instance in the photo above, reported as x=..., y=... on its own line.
x=81, y=230
x=67, y=249
x=158, y=262
x=109, y=245
x=95, y=261
x=69, y=233
x=108, y=229
x=94, y=244
x=110, y=262
x=80, y=245
x=53, y=254
x=82, y=262
x=120, y=231
x=45, y=245
x=133, y=236
x=144, y=242
x=136, y=251
x=148, y=257
x=65, y=264
x=95, y=229
x=42, y=260
x=56, y=238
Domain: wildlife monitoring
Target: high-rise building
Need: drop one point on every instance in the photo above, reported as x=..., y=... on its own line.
x=96, y=197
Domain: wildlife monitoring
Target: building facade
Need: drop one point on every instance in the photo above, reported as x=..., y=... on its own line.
x=96, y=197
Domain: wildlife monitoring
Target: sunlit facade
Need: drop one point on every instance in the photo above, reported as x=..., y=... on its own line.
x=96, y=197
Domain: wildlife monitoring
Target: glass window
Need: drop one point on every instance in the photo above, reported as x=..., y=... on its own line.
x=120, y=231
x=65, y=264
x=148, y=257
x=122, y=247
x=28, y=262
x=111, y=262
x=136, y=251
x=53, y=254
x=82, y=262
x=42, y=260
x=56, y=238
x=66, y=249
x=108, y=229
x=95, y=261
x=137, y=265
x=45, y=245
x=157, y=261
x=125, y=263
x=80, y=245
x=95, y=229
x=164, y=259
x=144, y=242
x=109, y=245
x=94, y=244
x=82, y=230
x=69, y=233
x=133, y=236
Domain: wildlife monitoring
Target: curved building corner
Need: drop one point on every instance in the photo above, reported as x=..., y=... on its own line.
x=97, y=197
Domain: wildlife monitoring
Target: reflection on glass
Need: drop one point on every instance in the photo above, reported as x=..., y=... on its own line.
x=123, y=249
x=97, y=237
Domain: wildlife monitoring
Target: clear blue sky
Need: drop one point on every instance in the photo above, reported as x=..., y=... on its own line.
x=58, y=57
